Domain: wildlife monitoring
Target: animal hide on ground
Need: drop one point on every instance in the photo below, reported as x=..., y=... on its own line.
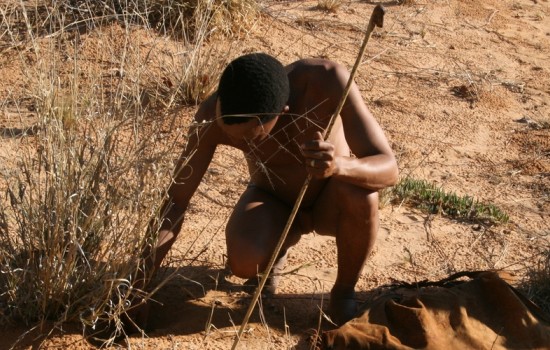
x=483, y=312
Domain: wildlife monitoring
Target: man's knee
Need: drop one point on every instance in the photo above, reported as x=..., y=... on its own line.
x=246, y=262
x=343, y=204
x=358, y=200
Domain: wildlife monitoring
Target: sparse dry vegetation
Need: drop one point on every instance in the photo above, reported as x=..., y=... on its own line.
x=73, y=224
x=80, y=194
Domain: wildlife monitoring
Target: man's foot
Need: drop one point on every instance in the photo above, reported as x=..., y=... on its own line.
x=343, y=306
x=272, y=281
x=270, y=286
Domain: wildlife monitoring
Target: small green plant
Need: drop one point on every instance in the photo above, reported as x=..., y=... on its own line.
x=434, y=199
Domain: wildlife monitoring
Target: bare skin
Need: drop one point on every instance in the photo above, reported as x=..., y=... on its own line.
x=341, y=200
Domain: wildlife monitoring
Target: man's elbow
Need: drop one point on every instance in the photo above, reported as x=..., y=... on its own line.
x=393, y=173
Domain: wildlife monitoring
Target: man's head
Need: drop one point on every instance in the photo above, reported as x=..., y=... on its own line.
x=252, y=86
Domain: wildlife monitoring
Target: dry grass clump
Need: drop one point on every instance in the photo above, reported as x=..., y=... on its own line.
x=179, y=18
x=69, y=209
x=80, y=194
x=78, y=198
x=74, y=219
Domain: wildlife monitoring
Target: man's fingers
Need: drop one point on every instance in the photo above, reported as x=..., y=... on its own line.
x=317, y=155
x=317, y=145
x=318, y=164
x=319, y=169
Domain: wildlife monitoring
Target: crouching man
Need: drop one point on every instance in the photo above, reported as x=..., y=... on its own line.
x=276, y=116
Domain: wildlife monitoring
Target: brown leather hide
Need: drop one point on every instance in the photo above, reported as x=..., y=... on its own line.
x=482, y=313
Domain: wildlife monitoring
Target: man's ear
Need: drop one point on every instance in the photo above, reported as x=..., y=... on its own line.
x=285, y=109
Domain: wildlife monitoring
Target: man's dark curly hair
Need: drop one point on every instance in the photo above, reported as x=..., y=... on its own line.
x=253, y=85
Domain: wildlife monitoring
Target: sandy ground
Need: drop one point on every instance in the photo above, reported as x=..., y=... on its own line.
x=462, y=89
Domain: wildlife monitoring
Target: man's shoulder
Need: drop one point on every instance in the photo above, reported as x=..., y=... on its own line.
x=313, y=72
x=313, y=62
x=316, y=78
x=207, y=109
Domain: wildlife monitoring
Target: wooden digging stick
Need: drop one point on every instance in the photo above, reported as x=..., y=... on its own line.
x=376, y=20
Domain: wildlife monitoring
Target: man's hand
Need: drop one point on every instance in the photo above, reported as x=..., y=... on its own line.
x=319, y=157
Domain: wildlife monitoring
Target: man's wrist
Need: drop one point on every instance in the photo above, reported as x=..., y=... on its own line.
x=339, y=165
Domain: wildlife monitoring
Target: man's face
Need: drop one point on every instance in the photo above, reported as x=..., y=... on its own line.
x=251, y=131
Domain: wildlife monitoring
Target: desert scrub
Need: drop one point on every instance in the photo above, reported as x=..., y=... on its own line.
x=434, y=199
x=178, y=18
x=78, y=196
x=74, y=215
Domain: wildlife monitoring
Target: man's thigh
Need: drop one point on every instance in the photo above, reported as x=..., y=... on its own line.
x=343, y=202
x=256, y=224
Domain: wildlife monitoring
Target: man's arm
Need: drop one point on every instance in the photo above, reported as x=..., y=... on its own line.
x=374, y=165
x=190, y=169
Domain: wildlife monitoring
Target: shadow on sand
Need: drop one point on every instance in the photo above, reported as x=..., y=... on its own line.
x=205, y=301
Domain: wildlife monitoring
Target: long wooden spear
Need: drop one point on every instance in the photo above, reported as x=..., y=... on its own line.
x=376, y=20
